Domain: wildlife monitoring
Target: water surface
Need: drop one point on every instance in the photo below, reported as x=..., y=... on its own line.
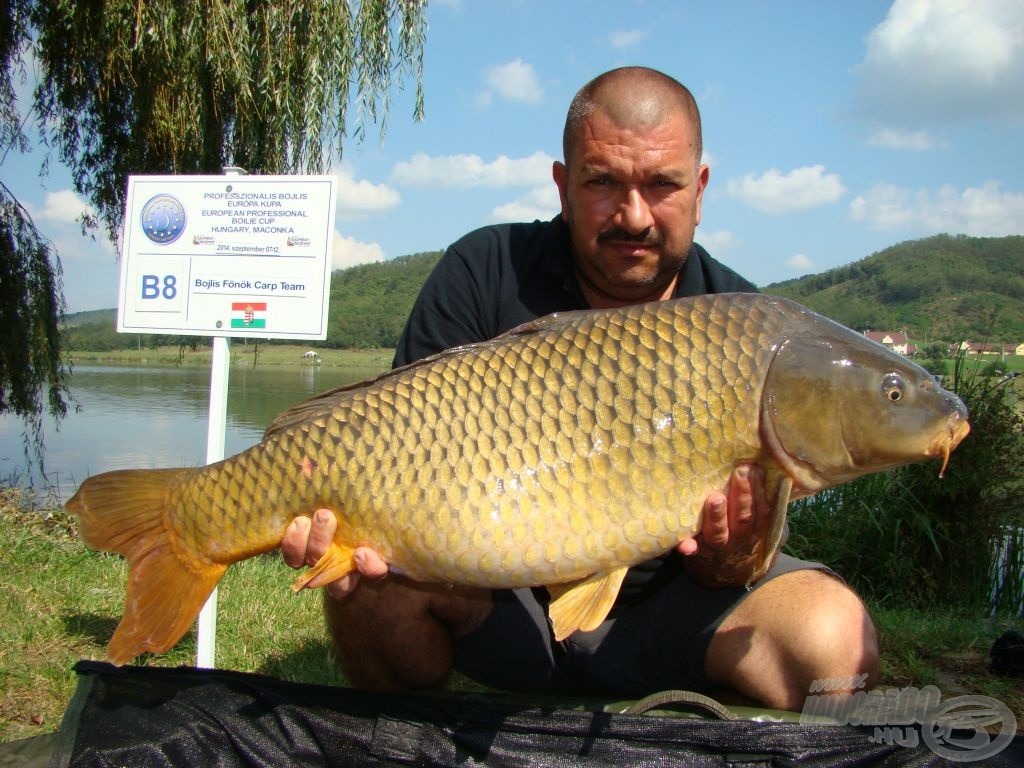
x=142, y=417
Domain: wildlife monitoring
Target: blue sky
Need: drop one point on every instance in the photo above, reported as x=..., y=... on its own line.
x=833, y=130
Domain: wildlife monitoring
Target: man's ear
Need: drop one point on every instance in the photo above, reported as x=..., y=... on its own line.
x=703, y=176
x=560, y=174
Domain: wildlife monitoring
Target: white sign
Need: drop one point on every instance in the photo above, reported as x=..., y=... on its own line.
x=227, y=256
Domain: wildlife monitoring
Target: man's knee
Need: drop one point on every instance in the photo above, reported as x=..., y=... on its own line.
x=839, y=637
x=398, y=634
x=385, y=638
x=801, y=627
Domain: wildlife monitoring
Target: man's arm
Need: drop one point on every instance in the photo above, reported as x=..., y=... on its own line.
x=451, y=309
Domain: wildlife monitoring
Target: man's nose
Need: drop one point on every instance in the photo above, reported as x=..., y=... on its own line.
x=634, y=212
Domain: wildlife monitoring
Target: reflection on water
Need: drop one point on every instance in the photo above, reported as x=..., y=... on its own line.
x=142, y=417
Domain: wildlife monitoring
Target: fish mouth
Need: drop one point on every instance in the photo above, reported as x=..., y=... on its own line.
x=943, y=444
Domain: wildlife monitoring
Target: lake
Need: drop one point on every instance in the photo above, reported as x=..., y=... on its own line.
x=145, y=417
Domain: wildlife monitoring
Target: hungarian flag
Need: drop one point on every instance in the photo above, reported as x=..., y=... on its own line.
x=249, y=314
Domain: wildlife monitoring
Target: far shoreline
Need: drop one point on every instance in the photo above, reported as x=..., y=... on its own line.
x=241, y=352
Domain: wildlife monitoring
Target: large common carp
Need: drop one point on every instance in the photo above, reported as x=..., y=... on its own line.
x=558, y=454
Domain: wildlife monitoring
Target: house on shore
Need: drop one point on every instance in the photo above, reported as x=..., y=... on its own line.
x=897, y=341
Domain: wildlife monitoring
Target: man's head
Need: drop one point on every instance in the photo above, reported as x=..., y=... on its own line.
x=632, y=183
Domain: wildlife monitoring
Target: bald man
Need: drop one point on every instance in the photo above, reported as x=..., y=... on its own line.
x=631, y=188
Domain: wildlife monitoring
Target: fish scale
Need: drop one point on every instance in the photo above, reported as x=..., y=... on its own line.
x=558, y=454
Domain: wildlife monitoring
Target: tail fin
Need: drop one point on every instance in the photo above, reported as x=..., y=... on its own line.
x=124, y=511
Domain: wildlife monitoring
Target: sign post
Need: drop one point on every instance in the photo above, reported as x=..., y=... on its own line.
x=220, y=367
x=226, y=256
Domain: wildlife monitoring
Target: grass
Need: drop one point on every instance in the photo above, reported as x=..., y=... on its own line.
x=60, y=602
x=947, y=650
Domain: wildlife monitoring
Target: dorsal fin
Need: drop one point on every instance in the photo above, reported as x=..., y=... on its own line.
x=547, y=322
x=321, y=404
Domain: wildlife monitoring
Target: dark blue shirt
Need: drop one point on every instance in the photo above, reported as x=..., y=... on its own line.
x=498, y=277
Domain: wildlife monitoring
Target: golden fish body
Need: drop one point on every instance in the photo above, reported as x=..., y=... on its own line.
x=558, y=454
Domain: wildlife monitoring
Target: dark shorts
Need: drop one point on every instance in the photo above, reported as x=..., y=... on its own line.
x=656, y=644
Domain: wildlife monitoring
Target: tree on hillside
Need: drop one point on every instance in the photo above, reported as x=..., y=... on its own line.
x=138, y=86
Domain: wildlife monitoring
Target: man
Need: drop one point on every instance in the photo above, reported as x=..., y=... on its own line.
x=631, y=190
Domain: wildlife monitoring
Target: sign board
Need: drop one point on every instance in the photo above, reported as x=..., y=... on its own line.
x=227, y=256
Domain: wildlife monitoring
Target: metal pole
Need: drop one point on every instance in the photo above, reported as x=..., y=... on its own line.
x=220, y=368
x=206, y=640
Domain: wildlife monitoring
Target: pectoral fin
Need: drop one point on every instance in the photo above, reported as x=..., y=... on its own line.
x=776, y=535
x=583, y=604
x=335, y=563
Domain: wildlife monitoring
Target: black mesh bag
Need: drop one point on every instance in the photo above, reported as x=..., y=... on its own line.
x=137, y=716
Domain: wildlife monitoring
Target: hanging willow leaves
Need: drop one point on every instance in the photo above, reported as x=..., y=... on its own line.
x=31, y=304
x=33, y=379
x=137, y=86
x=142, y=87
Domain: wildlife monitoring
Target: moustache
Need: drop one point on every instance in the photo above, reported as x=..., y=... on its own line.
x=648, y=237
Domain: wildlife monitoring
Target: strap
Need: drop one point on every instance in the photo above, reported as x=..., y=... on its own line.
x=698, y=700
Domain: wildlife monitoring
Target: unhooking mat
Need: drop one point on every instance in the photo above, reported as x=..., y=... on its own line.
x=139, y=716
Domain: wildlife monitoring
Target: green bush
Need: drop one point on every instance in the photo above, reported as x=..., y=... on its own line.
x=910, y=538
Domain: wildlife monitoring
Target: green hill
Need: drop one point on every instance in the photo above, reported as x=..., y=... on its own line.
x=370, y=302
x=947, y=288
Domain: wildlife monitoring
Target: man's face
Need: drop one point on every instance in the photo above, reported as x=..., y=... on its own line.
x=631, y=198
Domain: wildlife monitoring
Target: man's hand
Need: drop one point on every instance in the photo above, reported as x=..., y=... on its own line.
x=725, y=551
x=306, y=540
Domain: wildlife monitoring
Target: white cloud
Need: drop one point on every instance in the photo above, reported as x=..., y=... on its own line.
x=775, y=192
x=58, y=217
x=799, y=261
x=985, y=211
x=624, y=38
x=717, y=241
x=885, y=206
x=61, y=207
x=514, y=81
x=541, y=202
x=895, y=138
x=348, y=252
x=358, y=197
x=422, y=170
x=945, y=59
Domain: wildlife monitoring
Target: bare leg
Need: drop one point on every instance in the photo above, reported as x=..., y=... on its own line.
x=395, y=633
x=799, y=627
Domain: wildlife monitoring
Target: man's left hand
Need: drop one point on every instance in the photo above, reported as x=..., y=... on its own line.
x=725, y=551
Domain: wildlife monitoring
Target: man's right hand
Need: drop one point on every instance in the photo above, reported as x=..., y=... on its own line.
x=307, y=539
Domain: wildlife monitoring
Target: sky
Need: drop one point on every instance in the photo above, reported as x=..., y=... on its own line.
x=832, y=130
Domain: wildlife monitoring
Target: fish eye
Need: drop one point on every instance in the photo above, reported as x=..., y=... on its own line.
x=893, y=387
